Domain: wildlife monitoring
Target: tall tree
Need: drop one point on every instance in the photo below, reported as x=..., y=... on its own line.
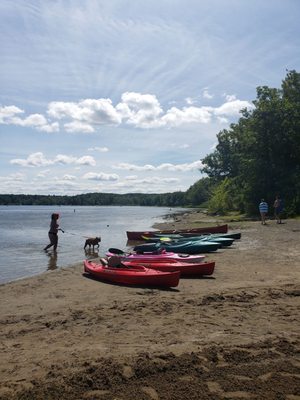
x=260, y=155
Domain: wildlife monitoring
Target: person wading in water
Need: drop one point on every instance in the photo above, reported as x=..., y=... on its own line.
x=54, y=228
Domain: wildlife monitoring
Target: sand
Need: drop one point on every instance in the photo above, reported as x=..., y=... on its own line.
x=235, y=335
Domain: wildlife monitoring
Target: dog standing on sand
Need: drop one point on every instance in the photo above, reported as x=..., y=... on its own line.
x=92, y=242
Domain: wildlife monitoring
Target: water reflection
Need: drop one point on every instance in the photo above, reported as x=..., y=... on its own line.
x=91, y=253
x=52, y=262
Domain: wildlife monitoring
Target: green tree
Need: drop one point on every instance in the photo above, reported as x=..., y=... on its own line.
x=260, y=155
x=199, y=193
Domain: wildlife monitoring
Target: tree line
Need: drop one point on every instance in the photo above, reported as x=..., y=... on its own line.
x=257, y=157
x=175, y=199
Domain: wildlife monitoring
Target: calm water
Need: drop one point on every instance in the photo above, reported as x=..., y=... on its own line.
x=24, y=234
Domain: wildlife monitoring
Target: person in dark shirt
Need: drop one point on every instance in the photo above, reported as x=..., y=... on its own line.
x=278, y=206
x=54, y=228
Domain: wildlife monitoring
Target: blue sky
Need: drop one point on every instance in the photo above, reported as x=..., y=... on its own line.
x=128, y=96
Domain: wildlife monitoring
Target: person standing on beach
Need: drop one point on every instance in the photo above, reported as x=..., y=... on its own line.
x=278, y=209
x=263, y=209
x=54, y=228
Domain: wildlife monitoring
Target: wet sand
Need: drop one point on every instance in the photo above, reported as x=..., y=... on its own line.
x=235, y=335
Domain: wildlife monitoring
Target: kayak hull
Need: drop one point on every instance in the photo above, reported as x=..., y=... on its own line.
x=137, y=275
x=152, y=257
x=137, y=235
x=224, y=241
x=232, y=235
x=196, y=247
x=186, y=269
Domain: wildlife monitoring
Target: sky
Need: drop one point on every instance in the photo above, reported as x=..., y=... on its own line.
x=127, y=96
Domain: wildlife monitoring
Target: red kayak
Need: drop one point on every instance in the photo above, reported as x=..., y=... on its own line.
x=203, y=268
x=135, y=275
x=136, y=235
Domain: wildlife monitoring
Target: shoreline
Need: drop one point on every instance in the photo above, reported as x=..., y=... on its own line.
x=234, y=335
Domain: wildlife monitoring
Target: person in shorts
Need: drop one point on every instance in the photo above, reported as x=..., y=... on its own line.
x=54, y=228
x=278, y=209
x=263, y=209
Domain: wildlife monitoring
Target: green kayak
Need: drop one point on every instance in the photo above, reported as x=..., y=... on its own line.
x=187, y=247
x=224, y=241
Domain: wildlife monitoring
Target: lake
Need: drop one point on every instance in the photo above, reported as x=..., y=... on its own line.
x=24, y=234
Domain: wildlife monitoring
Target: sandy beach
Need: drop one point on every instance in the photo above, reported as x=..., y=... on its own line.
x=235, y=335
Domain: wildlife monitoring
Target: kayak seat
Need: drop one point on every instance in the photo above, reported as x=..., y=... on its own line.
x=114, y=261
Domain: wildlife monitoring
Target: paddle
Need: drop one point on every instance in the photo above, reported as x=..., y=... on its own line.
x=116, y=251
x=121, y=252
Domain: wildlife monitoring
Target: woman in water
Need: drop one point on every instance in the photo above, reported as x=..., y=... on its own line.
x=54, y=228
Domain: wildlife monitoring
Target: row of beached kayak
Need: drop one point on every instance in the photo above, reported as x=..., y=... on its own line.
x=189, y=245
x=138, y=235
x=162, y=259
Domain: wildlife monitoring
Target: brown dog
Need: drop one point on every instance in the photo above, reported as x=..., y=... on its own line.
x=92, y=242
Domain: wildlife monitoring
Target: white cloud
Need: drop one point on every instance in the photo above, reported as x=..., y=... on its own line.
x=188, y=115
x=60, y=109
x=132, y=167
x=16, y=177
x=39, y=160
x=135, y=109
x=230, y=97
x=166, y=166
x=100, y=149
x=100, y=176
x=68, y=177
x=88, y=112
x=190, y=101
x=232, y=108
x=33, y=160
x=49, y=128
x=137, y=101
x=181, y=167
x=140, y=110
x=10, y=115
x=77, y=126
x=86, y=160
x=135, y=184
x=34, y=120
x=63, y=159
x=101, y=111
x=206, y=94
x=43, y=174
x=155, y=180
x=222, y=120
x=9, y=112
x=65, y=183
